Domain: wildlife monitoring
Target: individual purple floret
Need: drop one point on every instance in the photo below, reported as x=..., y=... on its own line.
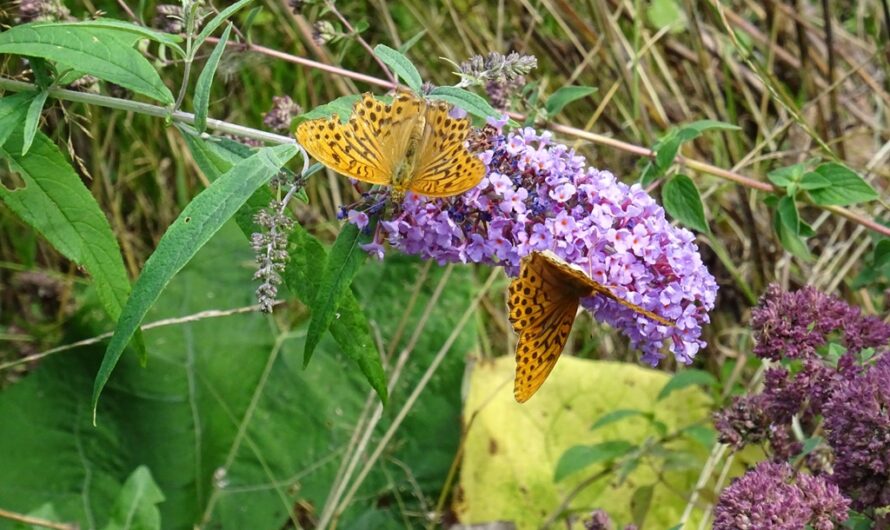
x=539, y=195
x=857, y=420
x=771, y=497
x=794, y=324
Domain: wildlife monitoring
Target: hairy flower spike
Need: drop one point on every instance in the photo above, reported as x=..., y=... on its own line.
x=495, y=67
x=168, y=18
x=773, y=497
x=323, y=32
x=283, y=111
x=501, y=75
x=539, y=195
x=271, y=251
x=42, y=11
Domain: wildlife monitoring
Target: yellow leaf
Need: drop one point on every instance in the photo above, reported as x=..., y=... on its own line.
x=511, y=449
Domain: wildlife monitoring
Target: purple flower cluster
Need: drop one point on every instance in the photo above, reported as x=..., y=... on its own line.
x=851, y=394
x=857, y=419
x=773, y=497
x=539, y=195
x=794, y=325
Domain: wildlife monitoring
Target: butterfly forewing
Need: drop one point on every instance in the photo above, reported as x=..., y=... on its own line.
x=444, y=166
x=543, y=301
x=353, y=149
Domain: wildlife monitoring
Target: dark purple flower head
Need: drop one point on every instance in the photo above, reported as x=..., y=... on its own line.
x=283, y=111
x=599, y=520
x=857, y=419
x=794, y=324
x=539, y=195
x=744, y=422
x=771, y=497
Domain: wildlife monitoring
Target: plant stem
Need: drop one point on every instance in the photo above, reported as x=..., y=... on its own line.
x=151, y=110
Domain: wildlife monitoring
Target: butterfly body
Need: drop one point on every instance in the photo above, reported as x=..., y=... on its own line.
x=543, y=301
x=410, y=144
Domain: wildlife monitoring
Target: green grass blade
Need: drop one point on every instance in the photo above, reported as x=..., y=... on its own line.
x=96, y=52
x=205, y=80
x=197, y=223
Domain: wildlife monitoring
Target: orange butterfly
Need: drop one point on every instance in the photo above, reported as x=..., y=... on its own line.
x=412, y=144
x=543, y=301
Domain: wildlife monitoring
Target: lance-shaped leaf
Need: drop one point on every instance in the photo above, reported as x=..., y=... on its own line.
x=99, y=52
x=189, y=232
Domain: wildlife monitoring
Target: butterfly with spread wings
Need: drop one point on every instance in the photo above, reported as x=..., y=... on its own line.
x=411, y=144
x=543, y=301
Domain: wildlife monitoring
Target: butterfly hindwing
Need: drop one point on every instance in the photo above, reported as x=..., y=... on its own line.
x=444, y=166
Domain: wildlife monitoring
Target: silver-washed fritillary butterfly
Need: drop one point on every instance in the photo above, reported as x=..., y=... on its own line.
x=543, y=301
x=411, y=144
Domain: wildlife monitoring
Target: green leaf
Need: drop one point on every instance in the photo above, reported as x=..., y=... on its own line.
x=708, y=125
x=858, y=521
x=192, y=229
x=88, y=50
x=787, y=226
x=685, y=378
x=308, y=261
x=46, y=511
x=846, y=187
x=32, y=120
x=809, y=445
x=784, y=177
x=205, y=80
x=664, y=13
x=121, y=27
x=813, y=181
x=565, y=95
x=136, y=504
x=343, y=263
x=470, y=102
x=618, y=415
x=400, y=65
x=701, y=434
x=13, y=110
x=341, y=106
x=582, y=456
x=55, y=203
x=640, y=503
x=216, y=21
x=683, y=202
